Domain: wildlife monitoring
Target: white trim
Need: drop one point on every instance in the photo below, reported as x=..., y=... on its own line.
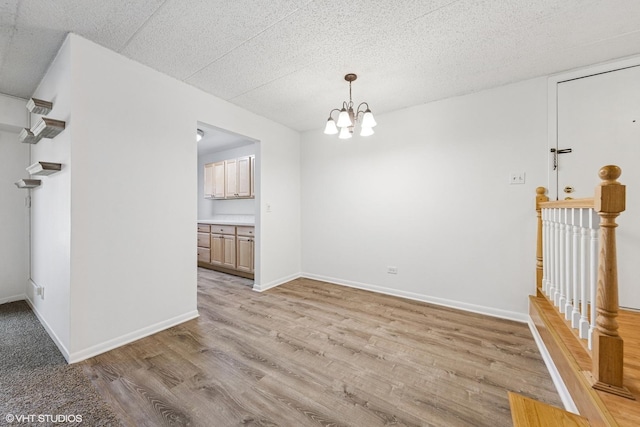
x=563, y=392
x=63, y=349
x=13, y=298
x=552, y=104
x=480, y=309
x=278, y=282
x=81, y=355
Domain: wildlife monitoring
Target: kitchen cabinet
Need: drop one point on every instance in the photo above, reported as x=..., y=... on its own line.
x=204, y=243
x=238, y=178
x=246, y=247
x=218, y=180
x=227, y=248
x=230, y=179
x=208, y=181
x=223, y=245
x=252, y=160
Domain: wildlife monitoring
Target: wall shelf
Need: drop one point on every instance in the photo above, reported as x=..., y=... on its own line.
x=38, y=106
x=47, y=128
x=27, y=137
x=28, y=183
x=44, y=168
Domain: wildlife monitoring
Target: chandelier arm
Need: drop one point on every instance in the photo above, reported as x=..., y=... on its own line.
x=361, y=104
x=331, y=112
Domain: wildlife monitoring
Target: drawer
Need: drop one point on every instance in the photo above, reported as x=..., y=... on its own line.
x=246, y=231
x=204, y=255
x=204, y=240
x=223, y=229
x=204, y=228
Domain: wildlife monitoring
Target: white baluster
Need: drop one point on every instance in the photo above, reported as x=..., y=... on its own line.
x=584, y=273
x=556, y=257
x=562, y=283
x=548, y=261
x=568, y=271
x=545, y=253
x=575, y=247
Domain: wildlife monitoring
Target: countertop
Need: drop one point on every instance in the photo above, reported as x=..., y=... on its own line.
x=243, y=220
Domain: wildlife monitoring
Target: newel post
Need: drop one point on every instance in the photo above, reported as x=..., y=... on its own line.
x=607, y=354
x=540, y=198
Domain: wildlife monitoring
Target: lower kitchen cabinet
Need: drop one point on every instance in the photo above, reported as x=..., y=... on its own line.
x=227, y=248
x=204, y=243
x=246, y=248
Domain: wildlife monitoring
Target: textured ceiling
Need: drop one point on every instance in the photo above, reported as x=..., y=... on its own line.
x=285, y=59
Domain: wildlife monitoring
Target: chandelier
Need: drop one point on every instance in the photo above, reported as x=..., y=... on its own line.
x=347, y=118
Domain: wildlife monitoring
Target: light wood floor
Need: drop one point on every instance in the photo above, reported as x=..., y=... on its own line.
x=626, y=412
x=309, y=353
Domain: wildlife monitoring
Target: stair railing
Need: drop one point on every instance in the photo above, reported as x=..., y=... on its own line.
x=576, y=265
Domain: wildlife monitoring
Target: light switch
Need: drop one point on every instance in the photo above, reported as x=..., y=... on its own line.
x=516, y=178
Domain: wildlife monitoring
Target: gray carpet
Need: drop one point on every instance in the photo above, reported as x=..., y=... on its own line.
x=36, y=380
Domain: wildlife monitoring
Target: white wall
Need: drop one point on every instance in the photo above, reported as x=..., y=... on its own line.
x=51, y=207
x=429, y=194
x=132, y=209
x=209, y=207
x=14, y=157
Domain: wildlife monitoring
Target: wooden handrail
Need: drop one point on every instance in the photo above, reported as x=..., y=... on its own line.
x=607, y=351
x=571, y=203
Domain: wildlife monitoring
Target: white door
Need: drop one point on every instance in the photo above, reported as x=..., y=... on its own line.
x=598, y=118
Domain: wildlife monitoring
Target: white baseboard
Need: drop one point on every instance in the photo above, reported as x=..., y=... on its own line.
x=13, y=298
x=81, y=355
x=563, y=392
x=489, y=311
x=273, y=284
x=63, y=349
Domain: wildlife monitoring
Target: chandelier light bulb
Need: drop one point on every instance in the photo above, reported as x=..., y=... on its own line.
x=343, y=119
x=368, y=120
x=331, y=128
x=365, y=131
x=345, y=133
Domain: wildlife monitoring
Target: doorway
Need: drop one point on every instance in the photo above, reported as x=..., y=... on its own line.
x=228, y=187
x=597, y=123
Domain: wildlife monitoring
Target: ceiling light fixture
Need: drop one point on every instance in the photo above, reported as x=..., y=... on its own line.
x=199, y=135
x=347, y=118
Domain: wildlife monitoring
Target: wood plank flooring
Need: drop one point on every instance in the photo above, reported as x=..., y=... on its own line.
x=309, y=353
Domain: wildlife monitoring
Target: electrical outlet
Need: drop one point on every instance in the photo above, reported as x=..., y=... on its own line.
x=516, y=178
x=392, y=270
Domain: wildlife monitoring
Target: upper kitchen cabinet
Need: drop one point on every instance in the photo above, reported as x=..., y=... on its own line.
x=218, y=180
x=208, y=181
x=229, y=179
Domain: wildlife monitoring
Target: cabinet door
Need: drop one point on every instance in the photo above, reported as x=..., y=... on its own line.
x=204, y=255
x=243, y=164
x=229, y=252
x=218, y=179
x=204, y=240
x=245, y=254
x=253, y=176
x=217, y=249
x=208, y=181
x=231, y=178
